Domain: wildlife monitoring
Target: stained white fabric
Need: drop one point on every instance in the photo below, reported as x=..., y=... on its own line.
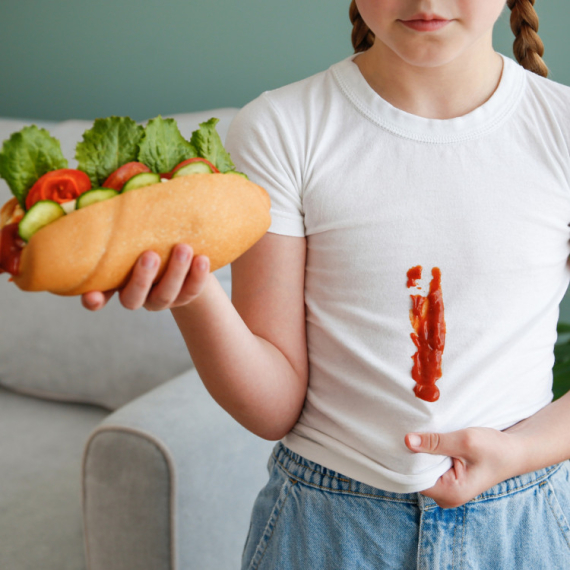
x=376, y=190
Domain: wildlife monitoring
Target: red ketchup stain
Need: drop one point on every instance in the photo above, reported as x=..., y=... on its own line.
x=427, y=318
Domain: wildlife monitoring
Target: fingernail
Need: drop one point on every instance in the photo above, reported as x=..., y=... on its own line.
x=415, y=440
x=202, y=264
x=148, y=261
x=182, y=254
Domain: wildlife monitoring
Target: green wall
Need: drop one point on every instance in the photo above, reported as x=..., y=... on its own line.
x=82, y=59
x=64, y=59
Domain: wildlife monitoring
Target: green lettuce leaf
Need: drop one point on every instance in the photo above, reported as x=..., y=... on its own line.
x=163, y=147
x=109, y=144
x=26, y=156
x=209, y=146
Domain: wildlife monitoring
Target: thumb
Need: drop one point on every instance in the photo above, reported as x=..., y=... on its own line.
x=434, y=443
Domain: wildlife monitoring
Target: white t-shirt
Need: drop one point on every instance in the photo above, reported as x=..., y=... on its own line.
x=376, y=191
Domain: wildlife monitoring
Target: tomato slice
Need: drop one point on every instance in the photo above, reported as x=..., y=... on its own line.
x=60, y=185
x=189, y=161
x=11, y=246
x=117, y=179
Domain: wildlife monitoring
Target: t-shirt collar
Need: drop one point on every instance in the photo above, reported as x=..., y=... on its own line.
x=479, y=121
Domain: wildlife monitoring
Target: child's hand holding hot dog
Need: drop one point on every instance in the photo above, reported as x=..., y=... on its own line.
x=135, y=189
x=185, y=278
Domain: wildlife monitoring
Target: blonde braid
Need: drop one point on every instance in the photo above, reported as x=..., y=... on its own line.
x=362, y=37
x=527, y=47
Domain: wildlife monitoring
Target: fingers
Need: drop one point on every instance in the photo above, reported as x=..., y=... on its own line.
x=461, y=443
x=183, y=280
x=195, y=281
x=480, y=459
x=425, y=442
x=95, y=300
x=166, y=290
x=134, y=294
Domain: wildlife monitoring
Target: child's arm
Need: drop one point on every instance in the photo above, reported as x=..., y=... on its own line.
x=251, y=352
x=483, y=457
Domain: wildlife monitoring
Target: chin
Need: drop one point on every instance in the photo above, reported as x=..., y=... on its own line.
x=426, y=54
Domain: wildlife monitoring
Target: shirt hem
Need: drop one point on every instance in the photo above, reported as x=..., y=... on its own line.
x=285, y=224
x=317, y=453
x=347, y=463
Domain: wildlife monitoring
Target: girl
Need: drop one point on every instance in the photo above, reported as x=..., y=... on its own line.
x=426, y=149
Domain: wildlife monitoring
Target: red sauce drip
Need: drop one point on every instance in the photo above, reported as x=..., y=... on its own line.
x=11, y=246
x=427, y=318
x=414, y=274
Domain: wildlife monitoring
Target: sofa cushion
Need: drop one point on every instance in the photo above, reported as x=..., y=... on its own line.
x=41, y=525
x=52, y=347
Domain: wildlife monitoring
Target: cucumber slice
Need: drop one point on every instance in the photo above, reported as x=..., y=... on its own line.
x=93, y=196
x=41, y=214
x=238, y=174
x=193, y=168
x=140, y=180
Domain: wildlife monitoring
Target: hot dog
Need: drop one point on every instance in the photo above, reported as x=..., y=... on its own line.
x=71, y=231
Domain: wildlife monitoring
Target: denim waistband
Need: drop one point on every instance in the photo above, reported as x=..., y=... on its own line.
x=305, y=471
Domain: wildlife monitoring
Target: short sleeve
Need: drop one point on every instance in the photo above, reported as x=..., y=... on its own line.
x=261, y=145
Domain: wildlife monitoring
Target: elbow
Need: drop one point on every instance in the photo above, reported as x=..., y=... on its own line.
x=270, y=431
x=275, y=432
x=278, y=420
x=272, y=435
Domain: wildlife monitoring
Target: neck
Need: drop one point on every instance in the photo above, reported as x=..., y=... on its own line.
x=445, y=91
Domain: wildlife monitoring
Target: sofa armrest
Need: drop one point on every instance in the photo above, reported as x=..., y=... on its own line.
x=169, y=481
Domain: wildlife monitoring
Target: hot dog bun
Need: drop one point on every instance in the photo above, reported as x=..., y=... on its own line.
x=96, y=247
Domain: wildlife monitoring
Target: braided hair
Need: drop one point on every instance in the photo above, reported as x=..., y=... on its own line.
x=362, y=36
x=527, y=47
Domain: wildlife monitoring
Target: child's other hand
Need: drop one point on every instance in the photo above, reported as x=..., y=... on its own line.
x=183, y=280
x=482, y=457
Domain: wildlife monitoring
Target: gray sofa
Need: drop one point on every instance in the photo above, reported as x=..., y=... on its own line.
x=114, y=456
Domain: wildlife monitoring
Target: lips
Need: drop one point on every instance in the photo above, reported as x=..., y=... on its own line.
x=424, y=22
x=426, y=25
x=425, y=16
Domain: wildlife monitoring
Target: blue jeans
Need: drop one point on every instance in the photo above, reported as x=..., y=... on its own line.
x=310, y=517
